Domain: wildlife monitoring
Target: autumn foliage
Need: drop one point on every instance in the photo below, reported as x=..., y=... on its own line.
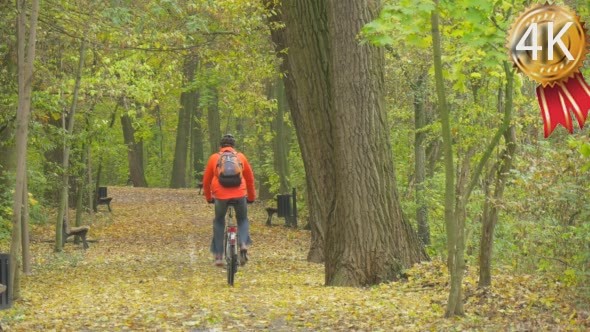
x=149, y=268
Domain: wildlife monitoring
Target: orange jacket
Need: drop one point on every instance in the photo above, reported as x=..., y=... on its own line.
x=213, y=189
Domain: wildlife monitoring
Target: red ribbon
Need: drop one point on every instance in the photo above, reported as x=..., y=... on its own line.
x=557, y=101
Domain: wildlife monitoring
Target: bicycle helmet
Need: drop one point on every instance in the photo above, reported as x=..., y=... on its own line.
x=228, y=140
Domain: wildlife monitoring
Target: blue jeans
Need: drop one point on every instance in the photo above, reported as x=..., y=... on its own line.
x=241, y=209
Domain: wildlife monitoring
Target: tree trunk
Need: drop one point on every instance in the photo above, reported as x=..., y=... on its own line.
x=7, y=157
x=25, y=64
x=198, y=153
x=63, y=206
x=368, y=240
x=99, y=168
x=25, y=231
x=420, y=159
x=213, y=121
x=306, y=76
x=455, y=302
x=134, y=156
x=490, y=216
x=281, y=138
x=188, y=101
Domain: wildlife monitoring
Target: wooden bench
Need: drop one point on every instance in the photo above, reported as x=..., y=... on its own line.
x=68, y=231
x=102, y=198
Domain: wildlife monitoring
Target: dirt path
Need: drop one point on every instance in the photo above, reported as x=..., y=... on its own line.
x=150, y=270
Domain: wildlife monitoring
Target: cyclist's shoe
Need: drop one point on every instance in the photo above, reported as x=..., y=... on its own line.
x=218, y=260
x=243, y=256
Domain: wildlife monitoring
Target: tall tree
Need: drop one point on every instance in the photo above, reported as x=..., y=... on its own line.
x=65, y=186
x=134, y=151
x=499, y=175
x=281, y=137
x=335, y=91
x=26, y=41
x=306, y=76
x=213, y=118
x=189, y=103
x=418, y=88
x=197, y=151
x=368, y=239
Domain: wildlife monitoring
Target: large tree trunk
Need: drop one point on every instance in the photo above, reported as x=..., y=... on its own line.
x=368, y=240
x=25, y=86
x=420, y=158
x=62, y=211
x=134, y=153
x=307, y=85
x=188, y=101
x=490, y=215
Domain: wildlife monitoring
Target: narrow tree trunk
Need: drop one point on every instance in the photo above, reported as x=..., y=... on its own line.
x=188, y=101
x=62, y=208
x=134, y=156
x=80, y=184
x=213, y=121
x=89, y=189
x=99, y=168
x=281, y=138
x=26, y=248
x=490, y=217
x=454, y=305
x=420, y=159
x=25, y=87
x=198, y=153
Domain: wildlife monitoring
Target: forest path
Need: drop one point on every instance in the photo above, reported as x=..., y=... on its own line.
x=150, y=269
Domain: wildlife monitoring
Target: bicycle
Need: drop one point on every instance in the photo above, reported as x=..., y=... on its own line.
x=231, y=242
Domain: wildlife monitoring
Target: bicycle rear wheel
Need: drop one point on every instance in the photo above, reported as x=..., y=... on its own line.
x=232, y=266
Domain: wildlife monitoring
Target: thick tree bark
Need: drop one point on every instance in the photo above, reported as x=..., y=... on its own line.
x=188, y=101
x=307, y=74
x=26, y=56
x=368, y=240
x=490, y=215
x=134, y=156
x=420, y=158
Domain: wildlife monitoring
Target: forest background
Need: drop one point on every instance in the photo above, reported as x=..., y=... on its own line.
x=138, y=93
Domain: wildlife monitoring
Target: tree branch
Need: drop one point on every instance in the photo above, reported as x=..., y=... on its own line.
x=496, y=139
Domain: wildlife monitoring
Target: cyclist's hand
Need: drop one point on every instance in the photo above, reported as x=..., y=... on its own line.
x=249, y=202
x=211, y=201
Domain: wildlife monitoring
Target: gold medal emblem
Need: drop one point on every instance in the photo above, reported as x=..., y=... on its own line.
x=548, y=43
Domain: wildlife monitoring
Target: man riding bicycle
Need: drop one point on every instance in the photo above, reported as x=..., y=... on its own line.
x=229, y=178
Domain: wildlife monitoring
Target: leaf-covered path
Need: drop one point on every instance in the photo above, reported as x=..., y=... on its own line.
x=149, y=268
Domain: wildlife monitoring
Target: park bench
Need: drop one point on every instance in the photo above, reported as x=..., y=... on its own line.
x=102, y=198
x=68, y=231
